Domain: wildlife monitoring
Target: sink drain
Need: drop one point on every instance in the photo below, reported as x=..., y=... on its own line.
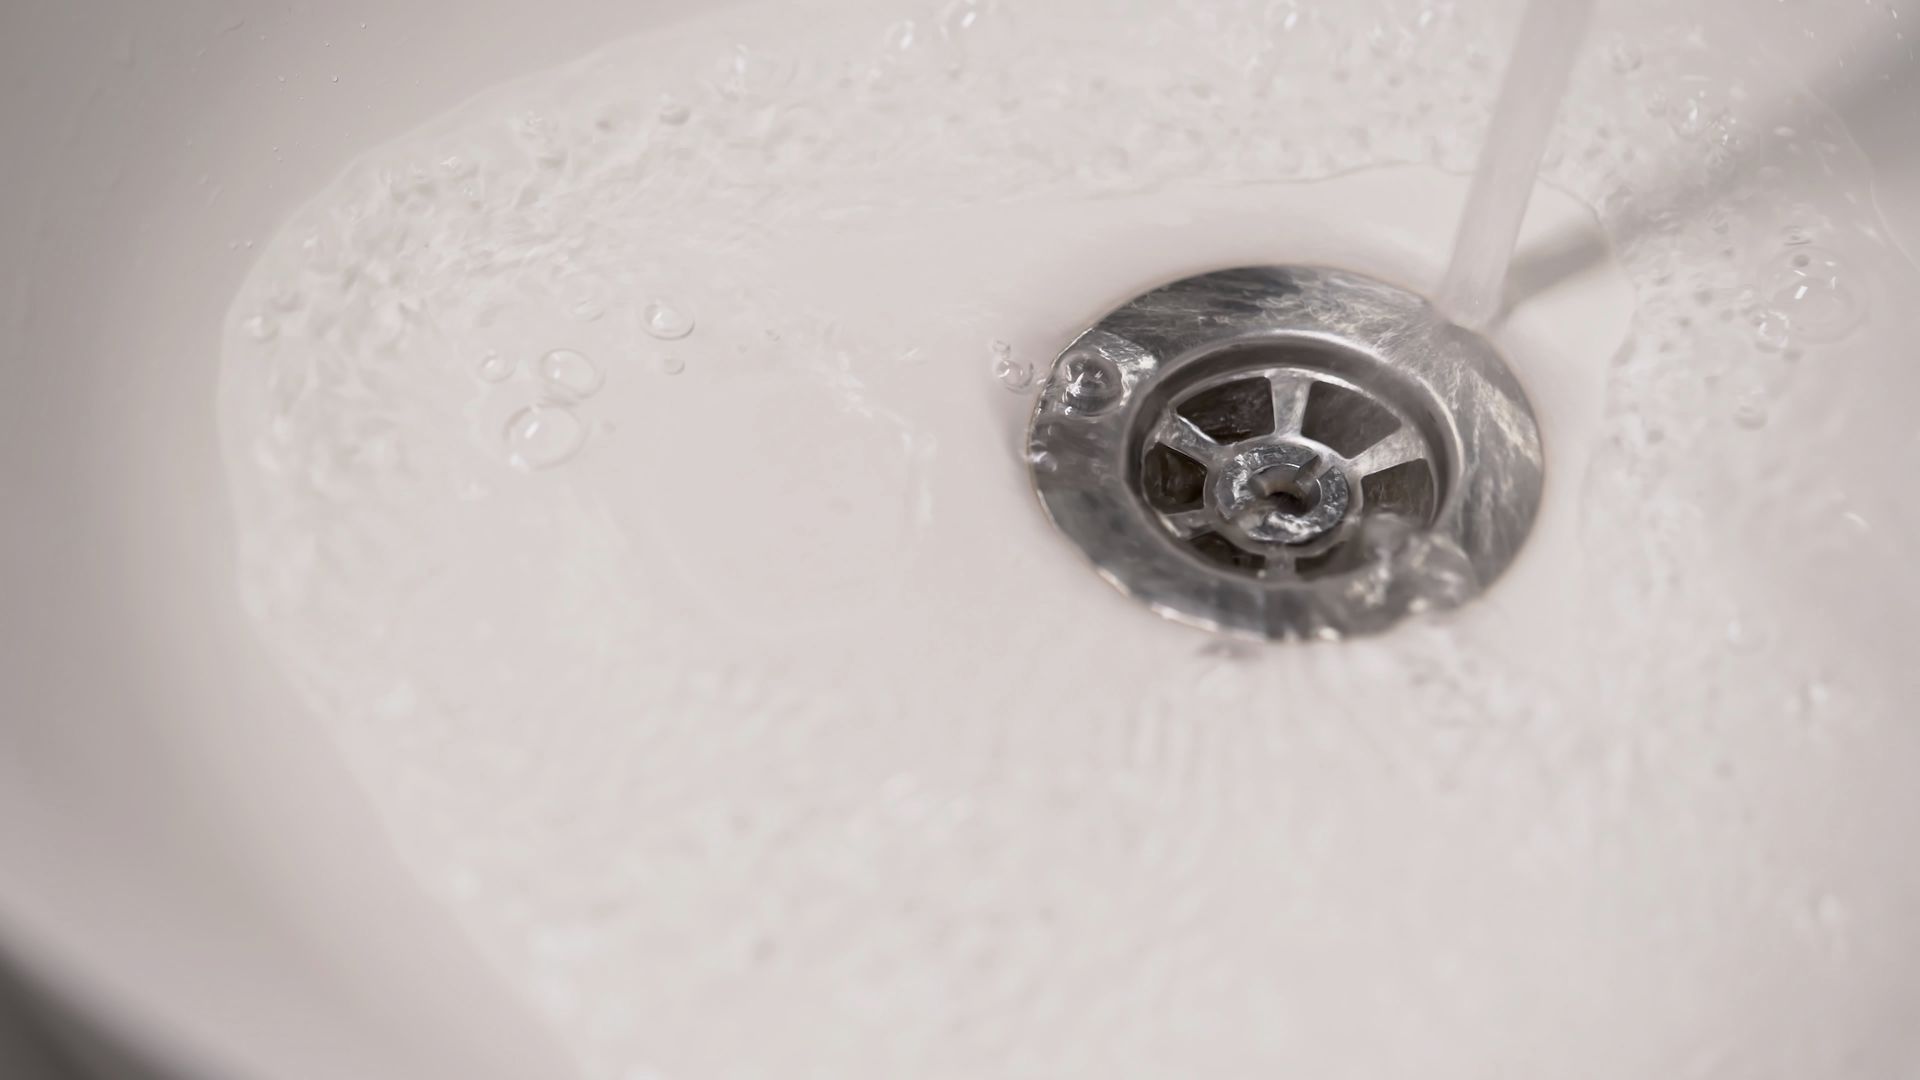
x=1287, y=452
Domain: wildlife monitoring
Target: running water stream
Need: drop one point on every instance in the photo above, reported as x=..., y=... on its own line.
x=1536, y=82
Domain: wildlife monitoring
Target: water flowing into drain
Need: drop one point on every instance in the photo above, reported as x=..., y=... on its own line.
x=1536, y=81
x=1314, y=467
x=1287, y=453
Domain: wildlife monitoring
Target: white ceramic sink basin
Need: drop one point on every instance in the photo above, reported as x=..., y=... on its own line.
x=761, y=726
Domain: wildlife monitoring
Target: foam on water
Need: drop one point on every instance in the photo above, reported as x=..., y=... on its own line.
x=753, y=724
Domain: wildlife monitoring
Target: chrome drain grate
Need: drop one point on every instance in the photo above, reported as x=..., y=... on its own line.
x=1287, y=453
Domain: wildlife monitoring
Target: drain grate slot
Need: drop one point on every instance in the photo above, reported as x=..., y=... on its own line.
x=1405, y=489
x=1172, y=481
x=1346, y=421
x=1234, y=412
x=1220, y=551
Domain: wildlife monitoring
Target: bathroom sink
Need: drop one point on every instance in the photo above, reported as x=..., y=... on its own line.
x=676, y=675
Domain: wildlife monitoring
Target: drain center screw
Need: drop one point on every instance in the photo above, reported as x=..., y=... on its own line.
x=1281, y=494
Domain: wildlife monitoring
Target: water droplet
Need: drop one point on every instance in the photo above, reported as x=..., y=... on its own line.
x=673, y=111
x=1284, y=16
x=542, y=436
x=261, y=328
x=962, y=16
x=587, y=309
x=1770, y=330
x=899, y=37
x=1811, y=700
x=1812, y=290
x=1750, y=414
x=1013, y=374
x=1695, y=114
x=336, y=78
x=746, y=73
x=570, y=375
x=1624, y=56
x=669, y=320
x=495, y=367
x=672, y=365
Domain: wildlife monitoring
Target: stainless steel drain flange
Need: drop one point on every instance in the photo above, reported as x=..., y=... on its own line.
x=1287, y=452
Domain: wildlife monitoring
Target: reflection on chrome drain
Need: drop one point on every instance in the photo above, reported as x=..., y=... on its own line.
x=1287, y=453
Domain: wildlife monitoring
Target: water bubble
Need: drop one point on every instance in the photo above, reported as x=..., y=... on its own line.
x=1812, y=290
x=1770, y=330
x=1284, y=16
x=1434, y=12
x=495, y=367
x=1745, y=638
x=1015, y=375
x=1811, y=700
x=746, y=73
x=668, y=320
x=962, y=16
x=570, y=375
x=587, y=309
x=1695, y=114
x=542, y=436
x=672, y=365
x=673, y=111
x=900, y=36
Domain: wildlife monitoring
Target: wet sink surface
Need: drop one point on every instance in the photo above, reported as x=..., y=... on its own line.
x=610, y=494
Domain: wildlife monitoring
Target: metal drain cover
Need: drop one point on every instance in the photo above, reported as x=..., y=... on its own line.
x=1287, y=452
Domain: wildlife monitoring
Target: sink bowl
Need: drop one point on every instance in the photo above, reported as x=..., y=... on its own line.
x=523, y=557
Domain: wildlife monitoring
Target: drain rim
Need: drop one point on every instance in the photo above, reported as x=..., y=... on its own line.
x=1471, y=414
